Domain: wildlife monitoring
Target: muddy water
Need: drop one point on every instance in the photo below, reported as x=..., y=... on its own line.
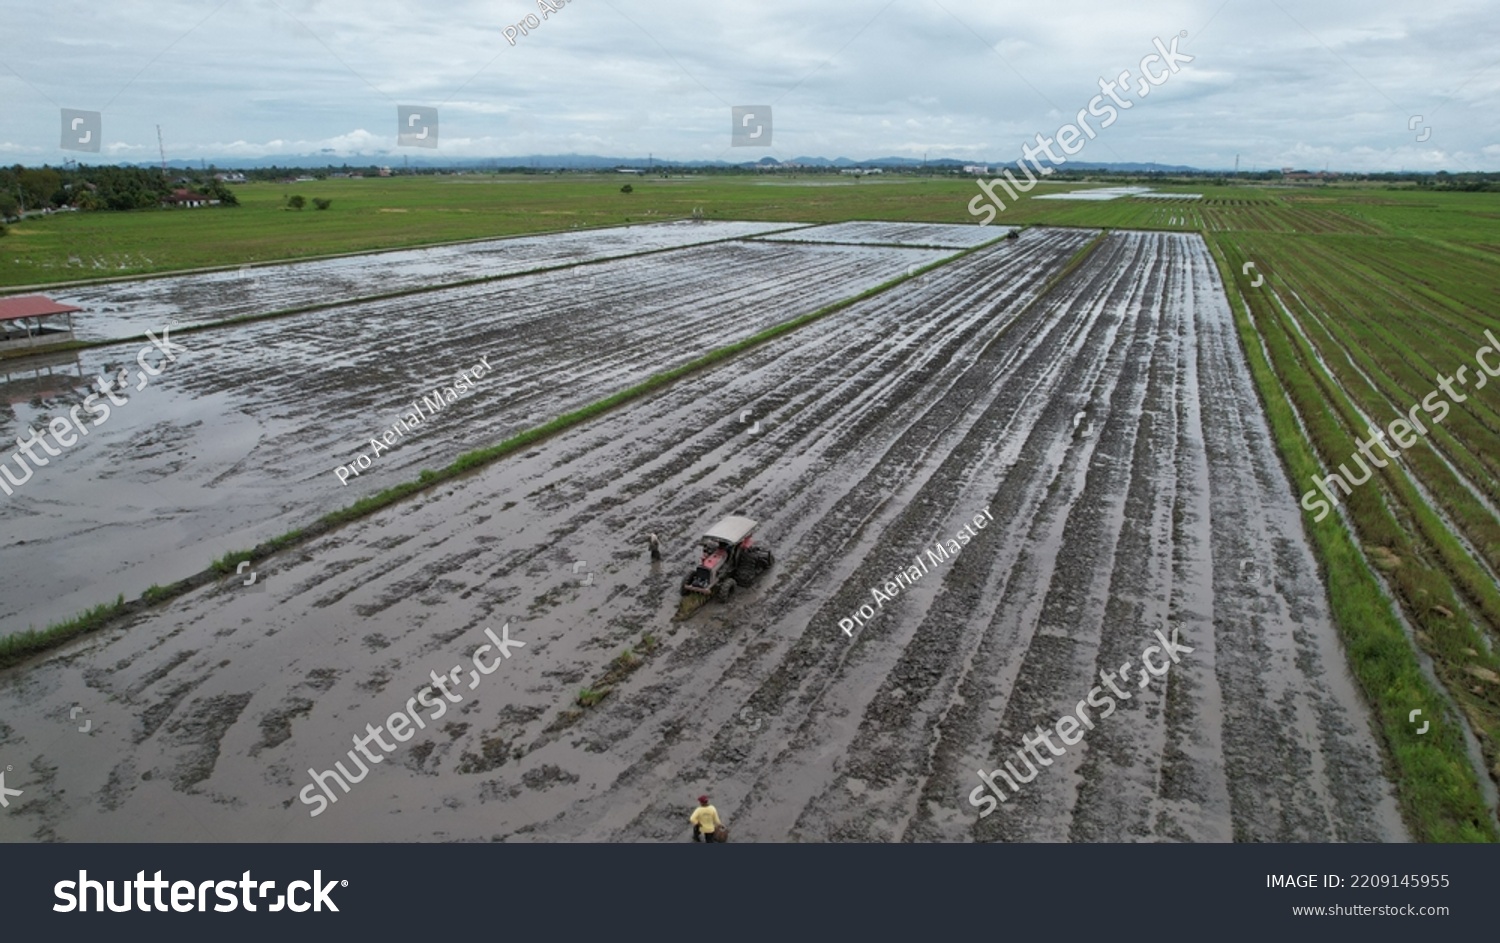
x=884, y=428
x=126, y=308
x=911, y=234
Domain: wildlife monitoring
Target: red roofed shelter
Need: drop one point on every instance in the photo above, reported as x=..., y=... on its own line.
x=24, y=321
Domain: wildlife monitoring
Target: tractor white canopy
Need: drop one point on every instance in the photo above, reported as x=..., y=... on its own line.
x=731, y=530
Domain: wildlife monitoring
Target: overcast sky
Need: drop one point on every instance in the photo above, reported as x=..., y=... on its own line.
x=1335, y=83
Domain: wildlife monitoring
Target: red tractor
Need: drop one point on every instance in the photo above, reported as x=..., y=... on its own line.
x=728, y=561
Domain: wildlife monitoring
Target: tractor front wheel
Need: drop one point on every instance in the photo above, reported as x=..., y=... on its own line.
x=726, y=590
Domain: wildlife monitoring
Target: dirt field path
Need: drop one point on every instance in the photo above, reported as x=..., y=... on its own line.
x=1110, y=430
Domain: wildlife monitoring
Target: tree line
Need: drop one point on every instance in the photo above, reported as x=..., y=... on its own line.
x=27, y=189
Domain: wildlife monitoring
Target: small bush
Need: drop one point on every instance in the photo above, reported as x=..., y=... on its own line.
x=627, y=189
x=321, y=204
x=588, y=697
x=296, y=202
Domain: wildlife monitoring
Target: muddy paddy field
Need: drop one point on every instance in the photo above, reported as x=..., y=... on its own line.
x=241, y=438
x=1103, y=424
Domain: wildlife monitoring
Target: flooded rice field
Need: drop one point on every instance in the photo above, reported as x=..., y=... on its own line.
x=987, y=490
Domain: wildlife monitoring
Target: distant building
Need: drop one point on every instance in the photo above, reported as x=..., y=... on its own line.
x=186, y=199
x=981, y=169
x=230, y=178
x=384, y=171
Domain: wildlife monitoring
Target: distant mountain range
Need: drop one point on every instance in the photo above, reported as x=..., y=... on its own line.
x=429, y=161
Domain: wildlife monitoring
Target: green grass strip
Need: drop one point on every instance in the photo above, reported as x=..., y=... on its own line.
x=22, y=645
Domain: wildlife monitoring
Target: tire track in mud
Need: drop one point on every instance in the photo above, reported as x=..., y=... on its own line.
x=1197, y=790
x=1191, y=742
x=1295, y=685
x=943, y=642
x=833, y=523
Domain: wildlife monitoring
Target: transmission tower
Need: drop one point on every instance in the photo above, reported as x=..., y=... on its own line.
x=163, y=148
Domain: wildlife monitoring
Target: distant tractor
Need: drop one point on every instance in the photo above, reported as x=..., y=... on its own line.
x=728, y=561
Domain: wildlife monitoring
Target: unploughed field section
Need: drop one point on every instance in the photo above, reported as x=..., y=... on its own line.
x=1109, y=427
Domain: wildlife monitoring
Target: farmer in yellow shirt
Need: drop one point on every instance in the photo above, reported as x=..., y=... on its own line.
x=705, y=819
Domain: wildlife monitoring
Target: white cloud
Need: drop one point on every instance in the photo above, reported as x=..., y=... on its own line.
x=970, y=79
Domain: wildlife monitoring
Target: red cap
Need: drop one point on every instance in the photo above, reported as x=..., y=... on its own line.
x=703, y=800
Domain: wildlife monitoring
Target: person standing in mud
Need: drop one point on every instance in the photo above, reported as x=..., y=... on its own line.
x=705, y=820
x=654, y=543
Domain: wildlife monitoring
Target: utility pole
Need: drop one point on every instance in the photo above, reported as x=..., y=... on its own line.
x=163, y=148
x=1236, y=165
